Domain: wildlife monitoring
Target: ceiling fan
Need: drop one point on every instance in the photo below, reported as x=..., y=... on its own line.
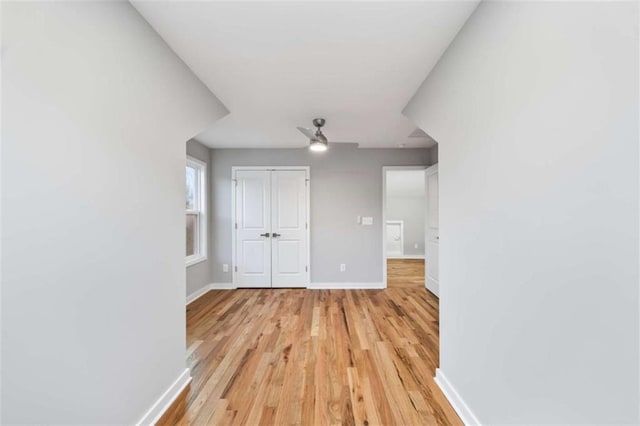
x=317, y=140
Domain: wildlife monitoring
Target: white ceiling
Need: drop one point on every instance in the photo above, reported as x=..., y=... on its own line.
x=278, y=65
x=405, y=183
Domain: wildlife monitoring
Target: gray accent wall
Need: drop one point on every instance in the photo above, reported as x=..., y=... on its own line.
x=199, y=275
x=346, y=182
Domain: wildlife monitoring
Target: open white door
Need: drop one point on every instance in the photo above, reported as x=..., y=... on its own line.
x=253, y=228
x=432, y=243
x=289, y=228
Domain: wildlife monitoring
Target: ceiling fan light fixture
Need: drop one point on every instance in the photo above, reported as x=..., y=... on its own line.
x=318, y=146
x=317, y=140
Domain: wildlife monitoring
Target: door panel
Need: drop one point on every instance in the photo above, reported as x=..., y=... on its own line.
x=432, y=245
x=252, y=257
x=254, y=194
x=288, y=256
x=287, y=190
x=289, y=226
x=253, y=218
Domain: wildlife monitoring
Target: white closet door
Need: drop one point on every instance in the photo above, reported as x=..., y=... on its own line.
x=433, y=231
x=253, y=226
x=289, y=243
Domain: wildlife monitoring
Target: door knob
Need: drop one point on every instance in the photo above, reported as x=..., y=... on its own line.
x=275, y=235
x=266, y=235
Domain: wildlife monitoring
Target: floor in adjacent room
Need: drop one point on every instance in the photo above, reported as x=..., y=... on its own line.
x=313, y=357
x=405, y=273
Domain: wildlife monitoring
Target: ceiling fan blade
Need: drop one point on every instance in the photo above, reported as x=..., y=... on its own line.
x=307, y=132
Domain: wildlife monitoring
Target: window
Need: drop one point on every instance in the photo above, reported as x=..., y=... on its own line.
x=196, y=220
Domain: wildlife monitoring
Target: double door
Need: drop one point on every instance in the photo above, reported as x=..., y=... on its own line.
x=271, y=228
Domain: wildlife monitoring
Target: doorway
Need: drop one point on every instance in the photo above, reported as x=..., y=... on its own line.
x=404, y=205
x=270, y=227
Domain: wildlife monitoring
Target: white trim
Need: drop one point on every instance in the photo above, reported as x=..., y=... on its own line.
x=207, y=288
x=195, y=260
x=346, y=286
x=407, y=256
x=222, y=286
x=313, y=286
x=384, y=213
x=456, y=401
x=196, y=161
x=307, y=170
x=234, y=186
x=163, y=403
x=428, y=172
x=202, y=211
x=262, y=168
x=198, y=293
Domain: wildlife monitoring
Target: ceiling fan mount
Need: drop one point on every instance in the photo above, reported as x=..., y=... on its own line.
x=319, y=122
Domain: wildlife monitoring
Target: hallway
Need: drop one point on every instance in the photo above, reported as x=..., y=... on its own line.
x=313, y=357
x=405, y=273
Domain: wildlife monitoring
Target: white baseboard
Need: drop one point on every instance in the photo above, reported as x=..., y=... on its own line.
x=164, y=402
x=456, y=401
x=406, y=256
x=313, y=286
x=345, y=286
x=223, y=286
x=213, y=286
x=196, y=294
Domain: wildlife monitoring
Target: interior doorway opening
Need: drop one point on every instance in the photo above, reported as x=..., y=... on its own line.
x=404, y=210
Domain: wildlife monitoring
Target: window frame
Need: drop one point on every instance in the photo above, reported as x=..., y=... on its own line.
x=200, y=210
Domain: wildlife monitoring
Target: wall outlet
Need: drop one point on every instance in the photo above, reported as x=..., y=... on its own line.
x=415, y=245
x=343, y=267
x=225, y=267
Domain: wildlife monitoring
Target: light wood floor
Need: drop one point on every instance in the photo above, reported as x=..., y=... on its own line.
x=310, y=357
x=405, y=273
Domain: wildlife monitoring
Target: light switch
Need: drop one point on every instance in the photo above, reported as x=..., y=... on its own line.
x=367, y=220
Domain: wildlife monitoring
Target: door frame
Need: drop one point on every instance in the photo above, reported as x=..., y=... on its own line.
x=431, y=168
x=385, y=169
x=234, y=182
x=401, y=223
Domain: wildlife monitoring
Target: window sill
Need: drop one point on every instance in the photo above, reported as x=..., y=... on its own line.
x=196, y=260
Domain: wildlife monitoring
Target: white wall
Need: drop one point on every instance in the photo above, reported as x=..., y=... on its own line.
x=346, y=182
x=96, y=112
x=535, y=108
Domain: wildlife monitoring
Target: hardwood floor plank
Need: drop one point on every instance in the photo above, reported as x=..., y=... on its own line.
x=405, y=273
x=309, y=357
